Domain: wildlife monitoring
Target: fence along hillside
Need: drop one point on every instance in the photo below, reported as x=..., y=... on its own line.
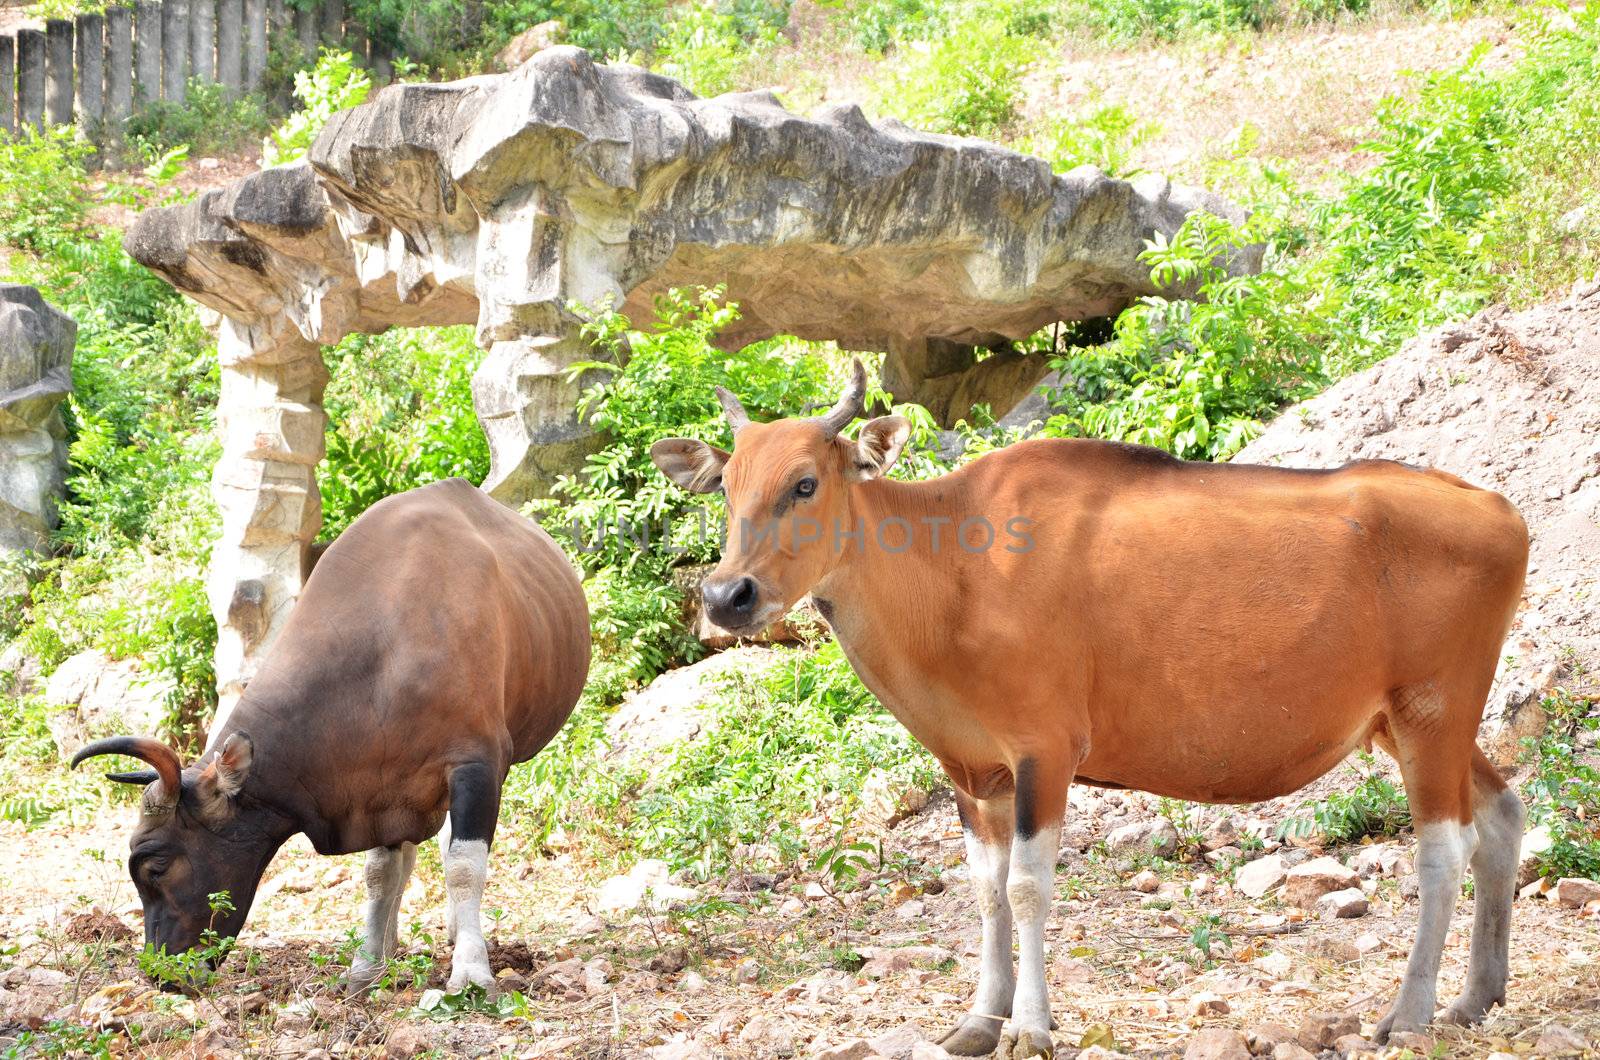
x=98, y=69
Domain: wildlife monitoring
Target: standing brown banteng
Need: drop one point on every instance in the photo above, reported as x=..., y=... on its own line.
x=440, y=639
x=1091, y=611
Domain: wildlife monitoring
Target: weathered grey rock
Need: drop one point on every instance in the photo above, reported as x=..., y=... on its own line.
x=501, y=200
x=36, y=343
x=104, y=697
x=1308, y=882
x=671, y=709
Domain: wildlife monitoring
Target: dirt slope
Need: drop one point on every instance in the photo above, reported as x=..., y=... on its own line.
x=1509, y=401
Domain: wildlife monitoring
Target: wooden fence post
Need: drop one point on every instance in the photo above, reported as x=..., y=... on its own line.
x=58, y=71
x=119, y=63
x=305, y=30
x=147, y=50
x=333, y=23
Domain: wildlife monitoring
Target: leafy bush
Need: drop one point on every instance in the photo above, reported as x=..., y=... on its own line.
x=1167, y=19
x=41, y=182
x=620, y=519
x=1107, y=137
x=334, y=84
x=399, y=416
x=207, y=120
x=1564, y=792
x=966, y=80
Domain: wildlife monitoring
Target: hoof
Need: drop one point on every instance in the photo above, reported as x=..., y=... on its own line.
x=973, y=1036
x=464, y=975
x=364, y=975
x=1392, y=1025
x=1033, y=1043
x=1467, y=1012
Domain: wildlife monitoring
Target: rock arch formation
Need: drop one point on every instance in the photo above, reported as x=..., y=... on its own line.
x=501, y=200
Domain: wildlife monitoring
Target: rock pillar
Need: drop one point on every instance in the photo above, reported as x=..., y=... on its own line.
x=266, y=489
x=8, y=84
x=58, y=71
x=203, y=40
x=119, y=63
x=90, y=37
x=36, y=343
x=30, y=78
x=230, y=45
x=174, y=50
x=147, y=49
x=255, y=43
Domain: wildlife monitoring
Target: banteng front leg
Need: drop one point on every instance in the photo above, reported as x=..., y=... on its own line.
x=474, y=809
x=387, y=870
x=987, y=825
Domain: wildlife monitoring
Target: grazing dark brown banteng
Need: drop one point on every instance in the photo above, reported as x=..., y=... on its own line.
x=440, y=639
x=1092, y=611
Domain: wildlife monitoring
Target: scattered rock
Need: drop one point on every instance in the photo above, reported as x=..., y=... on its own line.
x=1319, y=1030
x=747, y=971
x=884, y=960
x=1575, y=893
x=649, y=883
x=1379, y=859
x=1367, y=943
x=597, y=973
x=1308, y=882
x=767, y=1036
x=1260, y=876
x=1223, y=833
x=1292, y=1051
x=1145, y=882
x=1207, y=1003
x=1558, y=1040
x=1333, y=950
x=529, y=42
x=405, y=1041
x=1535, y=842
x=681, y=1047
x=898, y=1044
x=671, y=709
x=887, y=801
x=1419, y=1044
x=1155, y=836
x=1347, y=904
x=1264, y=1036
x=1353, y=1045
x=1217, y=1043
x=1410, y=886
x=931, y=1051
x=670, y=960
x=854, y=1049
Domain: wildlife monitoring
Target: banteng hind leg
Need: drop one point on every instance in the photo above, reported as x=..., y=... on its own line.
x=387, y=870
x=1499, y=816
x=1435, y=760
x=474, y=808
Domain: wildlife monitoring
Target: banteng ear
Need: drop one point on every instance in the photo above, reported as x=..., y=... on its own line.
x=879, y=444
x=225, y=775
x=694, y=465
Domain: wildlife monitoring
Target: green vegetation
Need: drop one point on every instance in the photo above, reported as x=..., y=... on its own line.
x=1374, y=807
x=333, y=84
x=1563, y=794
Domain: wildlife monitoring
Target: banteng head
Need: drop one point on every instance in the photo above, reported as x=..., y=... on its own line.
x=788, y=487
x=197, y=835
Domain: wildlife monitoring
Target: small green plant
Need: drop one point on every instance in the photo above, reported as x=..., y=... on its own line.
x=191, y=970
x=1107, y=137
x=207, y=121
x=1206, y=932
x=1374, y=807
x=1563, y=794
x=334, y=84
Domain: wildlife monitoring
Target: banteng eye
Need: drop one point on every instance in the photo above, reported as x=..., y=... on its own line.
x=805, y=487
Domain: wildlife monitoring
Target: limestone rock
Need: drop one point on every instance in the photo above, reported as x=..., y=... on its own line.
x=898, y=1043
x=105, y=697
x=36, y=344
x=647, y=882
x=497, y=199
x=1575, y=893
x=1155, y=836
x=1559, y=1040
x=1342, y=905
x=1319, y=1030
x=1217, y=1043
x=530, y=42
x=1260, y=876
x=1310, y=881
x=671, y=709
x=854, y=1049
x=1535, y=841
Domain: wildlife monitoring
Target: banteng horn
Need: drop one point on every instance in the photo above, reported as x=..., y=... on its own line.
x=737, y=416
x=168, y=770
x=850, y=405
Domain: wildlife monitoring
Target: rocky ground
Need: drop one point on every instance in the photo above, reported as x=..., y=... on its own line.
x=1236, y=946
